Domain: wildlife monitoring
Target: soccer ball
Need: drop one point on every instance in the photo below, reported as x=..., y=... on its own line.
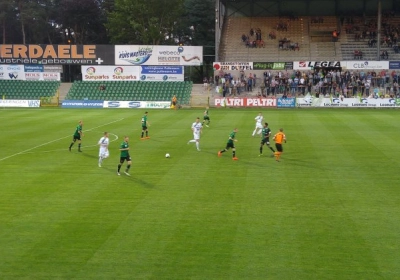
x=167, y=155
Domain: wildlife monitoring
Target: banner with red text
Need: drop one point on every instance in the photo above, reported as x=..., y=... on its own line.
x=245, y=102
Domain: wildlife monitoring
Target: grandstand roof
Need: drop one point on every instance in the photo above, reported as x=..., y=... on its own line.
x=263, y=8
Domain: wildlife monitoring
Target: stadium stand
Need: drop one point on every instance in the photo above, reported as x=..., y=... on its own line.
x=314, y=37
x=130, y=90
x=25, y=90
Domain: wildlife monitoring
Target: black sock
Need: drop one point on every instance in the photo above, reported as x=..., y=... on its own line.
x=147, y=133
x=119, y=167
x=142, y=134
x=79, y=146
x=272, y=149
x=127, y=168
x=223, y=151
x=261, y=150
x=233, y=153
x=70, y=146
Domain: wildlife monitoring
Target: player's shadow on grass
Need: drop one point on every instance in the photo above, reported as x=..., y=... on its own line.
x=303, y=163
x=133, y=178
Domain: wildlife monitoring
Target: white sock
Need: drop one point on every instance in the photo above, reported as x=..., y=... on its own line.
x=192, y=141
x=254, y=132
x=197, y=145
x=100, y=160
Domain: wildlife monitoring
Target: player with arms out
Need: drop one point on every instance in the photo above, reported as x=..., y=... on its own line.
x=230, y=144
x=145, y=125
x=124, y=156
x=259, y=120
x=77, y=136
x=103, y=150
x=279, y=138
x=206, y=117
x=265, y=134
x=197, y=129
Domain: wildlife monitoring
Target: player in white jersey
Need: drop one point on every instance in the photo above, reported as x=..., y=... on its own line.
x=259, y=124
x=197, y=129
x=103, y=150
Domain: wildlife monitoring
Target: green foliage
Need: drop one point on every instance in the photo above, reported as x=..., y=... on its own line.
x=143, y=21
x=328, y=210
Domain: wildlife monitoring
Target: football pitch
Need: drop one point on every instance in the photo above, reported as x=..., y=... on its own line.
x=330, y=209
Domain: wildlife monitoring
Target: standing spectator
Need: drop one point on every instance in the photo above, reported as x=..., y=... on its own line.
x=205, y=83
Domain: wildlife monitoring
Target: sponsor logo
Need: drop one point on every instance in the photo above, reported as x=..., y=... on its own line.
x=119, y=104
x=139, y=57
x=165, y=77
x=118, y=71
x=33, y=103
x=143, y=77
x=13, y=75
x=169, y=59
x=90, y=70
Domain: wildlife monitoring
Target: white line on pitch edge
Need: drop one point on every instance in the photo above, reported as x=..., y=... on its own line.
x=52, y=141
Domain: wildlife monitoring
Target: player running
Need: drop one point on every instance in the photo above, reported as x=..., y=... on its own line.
x=230, y=144
x=197, y=129
x=265, y=134
x=206, y=117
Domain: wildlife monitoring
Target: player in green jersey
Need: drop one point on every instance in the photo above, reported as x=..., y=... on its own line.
x=265, y=134
x=124, y=156
x=206, y=117
x=230, y=144
x=78, y=134
x=145, y=125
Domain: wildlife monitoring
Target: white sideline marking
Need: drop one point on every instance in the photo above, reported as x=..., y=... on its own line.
x=52, y=141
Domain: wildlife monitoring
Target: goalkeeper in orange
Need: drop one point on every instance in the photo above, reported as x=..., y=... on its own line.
x=279, y=138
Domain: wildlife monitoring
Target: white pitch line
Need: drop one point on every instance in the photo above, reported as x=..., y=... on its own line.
x=60, y=150
x=52, y=141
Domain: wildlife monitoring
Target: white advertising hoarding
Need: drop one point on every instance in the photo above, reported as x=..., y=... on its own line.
x=158, y=55
x=17, y=72
x=132, y=73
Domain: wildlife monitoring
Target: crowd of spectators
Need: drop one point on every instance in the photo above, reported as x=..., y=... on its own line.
x=326, y=82
x=228, y=85
x=254, y=39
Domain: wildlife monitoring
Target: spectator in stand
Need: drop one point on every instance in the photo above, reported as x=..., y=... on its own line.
x=335, y=36
x=244, y=38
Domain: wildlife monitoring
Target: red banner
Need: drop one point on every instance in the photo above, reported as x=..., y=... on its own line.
x=245, y=102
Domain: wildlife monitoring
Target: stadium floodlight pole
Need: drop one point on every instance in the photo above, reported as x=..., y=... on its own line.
x=379, y=29
x=217, y=29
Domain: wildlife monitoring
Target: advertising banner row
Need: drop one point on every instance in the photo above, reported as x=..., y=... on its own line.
x=306, y=65
x=19, y=103
x=308, y=102
x=132, y=73
x=101, y=54
x=20, y=72
x=115, y=104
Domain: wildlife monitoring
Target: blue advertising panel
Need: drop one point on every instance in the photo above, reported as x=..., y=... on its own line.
x=82, y=104
x=33, y=68
x=162, y=70
x=394, y=64
x=289, y=102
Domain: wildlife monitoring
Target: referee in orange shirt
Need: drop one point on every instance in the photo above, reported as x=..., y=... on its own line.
x=279, y=138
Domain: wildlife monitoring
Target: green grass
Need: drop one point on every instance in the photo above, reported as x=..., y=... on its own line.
x=329, y=210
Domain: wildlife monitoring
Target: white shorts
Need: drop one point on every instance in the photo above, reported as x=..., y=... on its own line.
x=259, y=125
x=196, y=136
x=103, y=152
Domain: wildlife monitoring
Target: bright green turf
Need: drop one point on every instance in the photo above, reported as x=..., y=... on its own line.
x=329, y=210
